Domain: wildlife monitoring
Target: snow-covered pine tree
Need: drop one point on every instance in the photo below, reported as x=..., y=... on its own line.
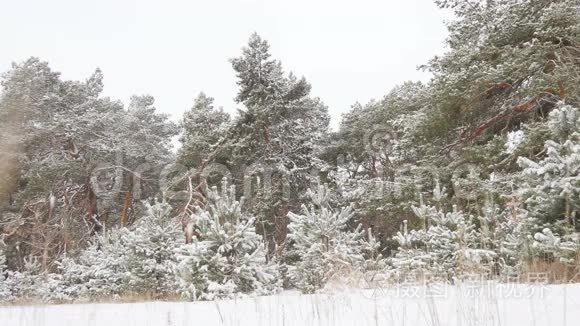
x=563, y=248
x=203, y=126
x=63, y=125
x=25, y=284
x=135, y=260
x=4, y=290
x=276, y=136
x=228, y=258
x=150, y=251
x=551, y=189
x=2, y=258
x=448, y=245
x=99, y=271
x=509, y=46
x=515, y=244
x=411, y=255
x=374, y=266
x=321, y=245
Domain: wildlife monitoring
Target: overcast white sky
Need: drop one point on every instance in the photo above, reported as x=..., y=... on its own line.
x=349, y=50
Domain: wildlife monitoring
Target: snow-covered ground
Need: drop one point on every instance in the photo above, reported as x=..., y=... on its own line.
x=491, y=304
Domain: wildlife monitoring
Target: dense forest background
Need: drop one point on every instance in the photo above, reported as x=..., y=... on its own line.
x=475, y=171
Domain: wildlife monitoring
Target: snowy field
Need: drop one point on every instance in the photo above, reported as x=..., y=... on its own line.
x=491, y=304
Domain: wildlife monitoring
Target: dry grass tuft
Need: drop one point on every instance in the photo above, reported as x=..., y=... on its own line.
x=556, y=271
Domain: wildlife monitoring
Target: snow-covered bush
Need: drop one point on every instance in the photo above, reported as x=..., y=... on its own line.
x=228, y=258
x=320, y=243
